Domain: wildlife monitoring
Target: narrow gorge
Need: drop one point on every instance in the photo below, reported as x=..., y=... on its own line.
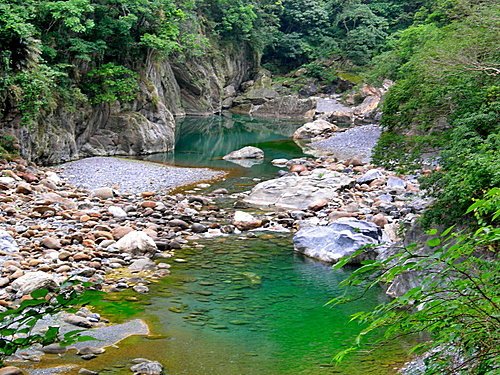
x=249, y=187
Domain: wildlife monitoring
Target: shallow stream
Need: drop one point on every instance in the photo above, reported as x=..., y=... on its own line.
x=236, y=305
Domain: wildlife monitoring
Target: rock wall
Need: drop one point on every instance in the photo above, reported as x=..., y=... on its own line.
x=168, y=89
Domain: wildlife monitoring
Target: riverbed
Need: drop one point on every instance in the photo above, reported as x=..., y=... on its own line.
x=242, y=303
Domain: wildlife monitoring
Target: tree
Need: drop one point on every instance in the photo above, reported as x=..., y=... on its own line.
x=17, y=324
x=457, y=301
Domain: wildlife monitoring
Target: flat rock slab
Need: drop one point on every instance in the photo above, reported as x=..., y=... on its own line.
x=131, y=176
x=298, y=192
x=104, y=336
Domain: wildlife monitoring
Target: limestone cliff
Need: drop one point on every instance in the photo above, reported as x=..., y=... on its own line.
x=168, y=89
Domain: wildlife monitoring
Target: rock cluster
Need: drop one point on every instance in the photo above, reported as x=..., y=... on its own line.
x=339, y=206
x=51, y=230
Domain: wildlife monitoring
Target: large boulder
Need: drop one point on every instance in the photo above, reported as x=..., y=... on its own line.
x=248, y=152
x=136, y=243
x=337, y=240
x=298, y=192
x=32, y=281
x=315, y=129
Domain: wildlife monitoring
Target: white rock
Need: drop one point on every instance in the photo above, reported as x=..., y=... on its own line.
x=32, y=281
x=245, y=221
x=396, y=183
x=136, y=242
x=279, y=162
x=7, y=243
x=117, y=212
x=370, y=176
x=248, y=152
x=314, y=129
x=7, y=180
x=53, y=177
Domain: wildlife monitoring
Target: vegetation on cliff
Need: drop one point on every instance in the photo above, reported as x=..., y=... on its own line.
x=446, y=97
x=444, y=110
x=81, y=50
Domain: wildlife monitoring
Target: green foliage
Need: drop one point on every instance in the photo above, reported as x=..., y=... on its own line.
x=403, y=153
x=355, y=30
x=321, y=72
x=17, y=325
x=111, y=82
x=7, y=146
x=446, y=71
x=457, y=302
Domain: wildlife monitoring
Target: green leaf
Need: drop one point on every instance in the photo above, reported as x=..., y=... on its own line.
x=434, y=242
x=39, y=293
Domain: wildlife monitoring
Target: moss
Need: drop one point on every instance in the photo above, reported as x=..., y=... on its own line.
x=350, y=77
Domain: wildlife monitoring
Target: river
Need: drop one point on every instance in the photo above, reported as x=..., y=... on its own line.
x=238, y=304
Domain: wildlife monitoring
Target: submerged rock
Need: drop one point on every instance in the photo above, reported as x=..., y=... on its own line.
x=338, y=240
x=147, y=368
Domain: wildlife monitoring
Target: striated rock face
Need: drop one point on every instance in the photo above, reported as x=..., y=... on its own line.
x=168, y=89
x=206, y=82
x=284, y=107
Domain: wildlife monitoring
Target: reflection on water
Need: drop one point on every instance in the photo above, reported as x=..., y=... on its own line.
x=202, y=142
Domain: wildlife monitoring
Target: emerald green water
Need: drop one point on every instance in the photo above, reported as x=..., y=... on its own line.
x=248, y=306
x=203, y=141
x=252, y=307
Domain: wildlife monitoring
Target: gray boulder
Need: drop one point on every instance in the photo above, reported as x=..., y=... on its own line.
x=248, y=152
x=141, y=265
x=370, y=176
x=298, y=192
x=32, y=281
x=315, y=129
x=7, y=243
x=337, y=240
x=396, y=183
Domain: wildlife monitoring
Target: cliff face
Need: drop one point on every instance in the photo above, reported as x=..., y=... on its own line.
x=167, y=89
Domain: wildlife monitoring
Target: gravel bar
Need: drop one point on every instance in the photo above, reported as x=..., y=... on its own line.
x=358, y=141
x=131, y=176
